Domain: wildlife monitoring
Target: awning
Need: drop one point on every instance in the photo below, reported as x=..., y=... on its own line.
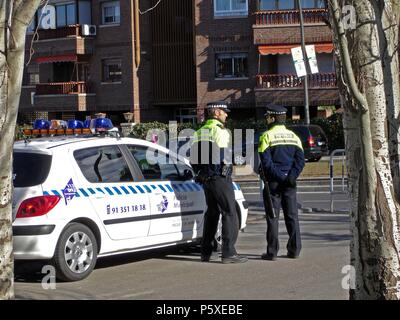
x=59, y=58
x=285, y=48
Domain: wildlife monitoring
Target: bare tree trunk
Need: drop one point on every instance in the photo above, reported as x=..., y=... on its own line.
x=12, y=46
x=388, y=34
x=376, y=234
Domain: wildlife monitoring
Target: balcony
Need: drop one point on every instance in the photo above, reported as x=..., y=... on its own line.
x=288, y=89
x=62, y=96
x=61, y=41
x=61, y=32
x=290, y=17
x=283, y=27
x=62, y=88
x=275, y=81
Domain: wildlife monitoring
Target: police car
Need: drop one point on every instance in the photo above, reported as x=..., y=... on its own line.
x=79, y=198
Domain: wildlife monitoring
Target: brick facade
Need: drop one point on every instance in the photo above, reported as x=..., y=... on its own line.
x=177, y=69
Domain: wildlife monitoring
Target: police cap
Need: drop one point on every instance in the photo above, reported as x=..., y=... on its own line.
x=274, y=110
x=218, y=105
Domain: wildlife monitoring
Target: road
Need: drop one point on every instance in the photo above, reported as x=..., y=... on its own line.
x=312, y=194
x=172, y=274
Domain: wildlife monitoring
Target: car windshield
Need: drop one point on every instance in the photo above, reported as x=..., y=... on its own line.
x=30, y=169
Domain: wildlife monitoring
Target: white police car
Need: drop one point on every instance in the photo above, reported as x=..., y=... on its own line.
x=79, y=198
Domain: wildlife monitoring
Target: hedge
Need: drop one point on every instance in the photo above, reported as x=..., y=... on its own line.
x=140, y=130
x=332, y=126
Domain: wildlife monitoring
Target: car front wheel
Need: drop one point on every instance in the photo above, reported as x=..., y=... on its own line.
x=76, y=253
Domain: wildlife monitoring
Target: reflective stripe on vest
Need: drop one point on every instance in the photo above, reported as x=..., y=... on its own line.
x=278, y=135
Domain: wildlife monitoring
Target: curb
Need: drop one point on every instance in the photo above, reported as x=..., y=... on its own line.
x=259, y=210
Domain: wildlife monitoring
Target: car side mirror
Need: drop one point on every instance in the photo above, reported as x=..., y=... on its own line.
x=187, y=174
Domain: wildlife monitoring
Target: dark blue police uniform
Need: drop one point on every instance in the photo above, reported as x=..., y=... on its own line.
x=282, y=160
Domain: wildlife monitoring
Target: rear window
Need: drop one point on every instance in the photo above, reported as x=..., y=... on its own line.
x=317, y=132
x=302, y=132
x=30, y=169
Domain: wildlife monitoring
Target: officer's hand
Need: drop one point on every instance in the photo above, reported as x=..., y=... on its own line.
x=291, y=182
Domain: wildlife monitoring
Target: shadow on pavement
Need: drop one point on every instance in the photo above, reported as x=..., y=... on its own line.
x=126, y=258
x=29, y=271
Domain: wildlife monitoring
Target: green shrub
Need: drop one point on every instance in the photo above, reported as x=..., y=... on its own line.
x=333, y=128
x=140, y=130
x=257, y=125
x=19, y=132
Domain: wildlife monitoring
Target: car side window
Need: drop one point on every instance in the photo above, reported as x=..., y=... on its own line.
x=154, y=165
x=103, y=164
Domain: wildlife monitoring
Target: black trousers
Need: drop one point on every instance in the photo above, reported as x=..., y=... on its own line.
x=285, y=197
x=220, y=199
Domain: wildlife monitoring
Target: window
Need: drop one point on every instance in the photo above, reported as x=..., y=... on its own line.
x=65, y=14
x=33, y=74
x=112, y=70
x=110, y=12
x=230, y=8
x=156, y=165
x=290, y=4
x=285, y=4
x=103, y=164
x=26, y=163
x=308, y=4
x=231, y=65
x=85, y=12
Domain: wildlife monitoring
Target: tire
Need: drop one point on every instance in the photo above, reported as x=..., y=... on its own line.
x=76, y=253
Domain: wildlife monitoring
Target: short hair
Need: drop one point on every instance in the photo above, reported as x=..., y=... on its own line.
x=211, y=112
x=281, y=118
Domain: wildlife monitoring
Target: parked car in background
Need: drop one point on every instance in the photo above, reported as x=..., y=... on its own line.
x=314, y=140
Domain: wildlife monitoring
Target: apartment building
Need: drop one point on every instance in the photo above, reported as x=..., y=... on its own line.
x=243, y=50
x=164, y=60
x=111, y=57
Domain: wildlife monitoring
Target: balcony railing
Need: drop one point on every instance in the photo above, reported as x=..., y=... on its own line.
x=72, y=87
x=290, y=16
x=60, y=32
x=275, y=81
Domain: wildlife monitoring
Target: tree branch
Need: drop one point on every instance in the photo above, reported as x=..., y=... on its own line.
x=345, y=56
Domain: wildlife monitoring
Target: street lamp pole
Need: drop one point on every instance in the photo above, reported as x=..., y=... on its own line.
x=303, y=47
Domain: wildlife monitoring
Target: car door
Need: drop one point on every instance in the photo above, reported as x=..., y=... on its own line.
x=108, y=182
x=177, y=204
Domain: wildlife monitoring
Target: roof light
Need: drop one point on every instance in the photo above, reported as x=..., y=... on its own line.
x=61, y=127
x=75, y=124
x=58, y=124
x=86, y=123
x=41, y=124
x=103, y=123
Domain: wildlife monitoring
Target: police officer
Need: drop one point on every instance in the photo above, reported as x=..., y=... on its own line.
x=282, y=160
x=211, y=161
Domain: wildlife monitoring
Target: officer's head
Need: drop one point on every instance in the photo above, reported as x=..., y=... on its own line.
x=218, y=110
x=275, y=114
